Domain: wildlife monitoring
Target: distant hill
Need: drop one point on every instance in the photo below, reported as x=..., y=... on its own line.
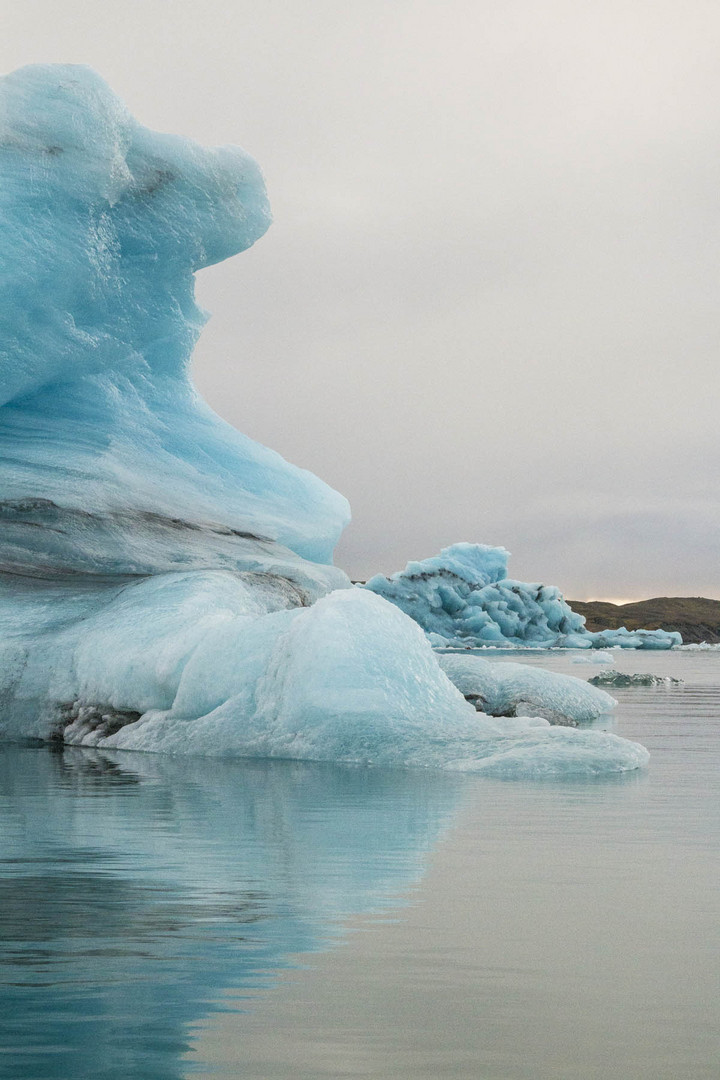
x=695, y=617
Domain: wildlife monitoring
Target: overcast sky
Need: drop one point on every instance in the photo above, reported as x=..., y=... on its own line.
x=488, y=307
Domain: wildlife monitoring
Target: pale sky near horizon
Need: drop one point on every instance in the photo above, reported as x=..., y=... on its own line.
x=487, y=309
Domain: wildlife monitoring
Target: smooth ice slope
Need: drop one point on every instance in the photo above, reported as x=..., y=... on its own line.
x=165, y=582
x=463, y=596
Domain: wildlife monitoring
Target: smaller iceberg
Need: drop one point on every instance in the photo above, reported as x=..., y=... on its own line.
x=617, y=678
x=464, y=597
x=508, y=689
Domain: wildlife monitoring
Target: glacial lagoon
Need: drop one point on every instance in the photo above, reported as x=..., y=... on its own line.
x=166, y=917
x=216, y=860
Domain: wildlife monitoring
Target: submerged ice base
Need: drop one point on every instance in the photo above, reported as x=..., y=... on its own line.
x=464, y=597
x=166, y=584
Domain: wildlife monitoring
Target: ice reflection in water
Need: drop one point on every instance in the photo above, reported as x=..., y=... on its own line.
x=567, y=931
x=135, y=889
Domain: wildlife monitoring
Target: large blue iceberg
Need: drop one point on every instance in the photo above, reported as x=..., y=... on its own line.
x=464, y=597
x=165, y=582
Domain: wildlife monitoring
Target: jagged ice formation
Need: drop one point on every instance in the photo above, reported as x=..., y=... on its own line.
x=464, y=597
x=165, y=582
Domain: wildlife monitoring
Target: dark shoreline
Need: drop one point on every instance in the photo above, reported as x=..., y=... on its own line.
x=697, y=618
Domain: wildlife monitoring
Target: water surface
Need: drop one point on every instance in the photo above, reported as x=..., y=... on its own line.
x=168, y=918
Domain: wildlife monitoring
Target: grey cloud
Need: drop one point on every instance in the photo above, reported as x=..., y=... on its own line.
x=487, y=309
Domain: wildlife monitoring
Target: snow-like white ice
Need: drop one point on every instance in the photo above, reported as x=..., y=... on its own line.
x=166, y=583
x=463, y=596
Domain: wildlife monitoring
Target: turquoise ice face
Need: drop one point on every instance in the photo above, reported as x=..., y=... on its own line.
x=104, y=223
x=108, y=221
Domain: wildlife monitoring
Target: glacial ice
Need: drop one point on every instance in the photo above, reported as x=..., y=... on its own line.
x=166, y=584
x=464, y=597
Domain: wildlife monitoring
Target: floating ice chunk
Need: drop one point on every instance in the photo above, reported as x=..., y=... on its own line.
x=593, y=658
x=502, y=688
x=463, y=597
x=349, y=679
x=617, y=678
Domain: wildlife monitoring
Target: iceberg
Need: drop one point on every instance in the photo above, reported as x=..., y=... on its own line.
x=464, y=597
x=166, y=584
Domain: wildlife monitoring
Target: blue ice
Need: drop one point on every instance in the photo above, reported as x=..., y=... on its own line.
x=463, y=596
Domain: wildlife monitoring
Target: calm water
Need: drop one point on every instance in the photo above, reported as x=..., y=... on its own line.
x=168, y=918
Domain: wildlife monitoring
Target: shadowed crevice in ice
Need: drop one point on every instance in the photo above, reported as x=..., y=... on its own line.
x=42, y=513
x=165, y=574
x=77, y=720
x=39, y=539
